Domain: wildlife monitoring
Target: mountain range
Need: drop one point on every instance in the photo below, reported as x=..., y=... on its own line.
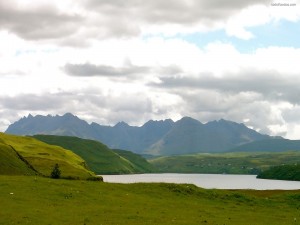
x=164, y=137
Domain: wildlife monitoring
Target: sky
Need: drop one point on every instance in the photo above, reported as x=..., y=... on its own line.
x=109, y=61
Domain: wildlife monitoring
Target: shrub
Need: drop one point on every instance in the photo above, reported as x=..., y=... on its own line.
x=98, y=178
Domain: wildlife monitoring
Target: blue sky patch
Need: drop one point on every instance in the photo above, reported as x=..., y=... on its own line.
x=280, y=34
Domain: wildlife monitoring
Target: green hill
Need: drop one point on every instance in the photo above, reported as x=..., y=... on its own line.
x=138, y=161
x=283, y=172
x=230, y=163
x=98, y=156
x=28, y=156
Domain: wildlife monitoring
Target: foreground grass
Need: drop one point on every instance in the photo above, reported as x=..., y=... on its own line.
x=36, y=200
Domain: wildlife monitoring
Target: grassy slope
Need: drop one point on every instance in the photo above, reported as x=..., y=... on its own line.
x=141, y=164
x=42, y=157
x=98, y=156
x=235, y=163
x=11, y=164
x=45, y=201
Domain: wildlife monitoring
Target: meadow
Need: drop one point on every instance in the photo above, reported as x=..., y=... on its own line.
x=36, y=200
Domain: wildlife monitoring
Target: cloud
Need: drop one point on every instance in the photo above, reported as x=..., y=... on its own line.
x=172, y=12
x=37, y=21
x=117, y=47
x=77, y=23
x=93, y=105
x=270, y=85
x=88, y=69
x=265, y=100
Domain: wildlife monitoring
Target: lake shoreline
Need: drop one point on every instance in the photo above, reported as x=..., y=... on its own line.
x=207, y=181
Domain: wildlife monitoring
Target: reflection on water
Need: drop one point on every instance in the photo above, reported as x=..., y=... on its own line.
x=218, y=181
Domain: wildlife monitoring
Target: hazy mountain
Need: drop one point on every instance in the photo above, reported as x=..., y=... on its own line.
x=67, y=124
x=163, y=137
x=190, y=136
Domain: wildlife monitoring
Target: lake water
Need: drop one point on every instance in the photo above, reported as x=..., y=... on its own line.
x=217, y=181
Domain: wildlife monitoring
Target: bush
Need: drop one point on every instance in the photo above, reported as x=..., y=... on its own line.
x=55, y=174
x=98, y=178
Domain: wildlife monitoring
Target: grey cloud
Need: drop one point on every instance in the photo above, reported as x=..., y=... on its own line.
x=32, y=102
x=292, y=115
x=102, y=18
x=172, y=11
x=208, y=105
x=93, y=105
x=87, y=69
x=250, y=95
x=41, y=22
x=270, y=85
x=170, y=70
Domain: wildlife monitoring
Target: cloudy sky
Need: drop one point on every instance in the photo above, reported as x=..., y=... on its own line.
x=108, y=61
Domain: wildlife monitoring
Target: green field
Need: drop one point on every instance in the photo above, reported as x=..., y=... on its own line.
x=27, y=156
x=100, y=158
x=230, y=163
x=36, y=200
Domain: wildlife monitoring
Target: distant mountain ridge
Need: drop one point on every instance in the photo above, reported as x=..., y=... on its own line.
x=164, y=137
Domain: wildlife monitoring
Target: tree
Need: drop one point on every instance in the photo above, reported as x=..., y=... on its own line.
x=55, y=174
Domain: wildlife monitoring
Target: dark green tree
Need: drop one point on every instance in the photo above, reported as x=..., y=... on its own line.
x=55, y=174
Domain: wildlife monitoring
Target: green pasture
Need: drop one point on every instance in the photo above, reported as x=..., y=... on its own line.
x=43, y=201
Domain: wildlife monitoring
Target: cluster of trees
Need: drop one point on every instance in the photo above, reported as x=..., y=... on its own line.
x=284, y=172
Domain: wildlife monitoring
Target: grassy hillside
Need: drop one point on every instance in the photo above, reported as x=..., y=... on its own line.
x=231, y=163
x=11, y=163
x=98, y=156
x=43, y=201
x=284, y=172
x=40, y=156
x=141, y=164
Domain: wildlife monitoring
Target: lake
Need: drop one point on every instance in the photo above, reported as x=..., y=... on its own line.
x=217, y=181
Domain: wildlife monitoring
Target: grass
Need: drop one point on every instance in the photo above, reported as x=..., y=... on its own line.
x=40, y=157
x=230, y=163
x=35, y=200
x=98, y=156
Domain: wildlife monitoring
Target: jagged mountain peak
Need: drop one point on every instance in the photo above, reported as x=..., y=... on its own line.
x=158, y=122
x=186, y=135
x=188, y=120
x=121, y=124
